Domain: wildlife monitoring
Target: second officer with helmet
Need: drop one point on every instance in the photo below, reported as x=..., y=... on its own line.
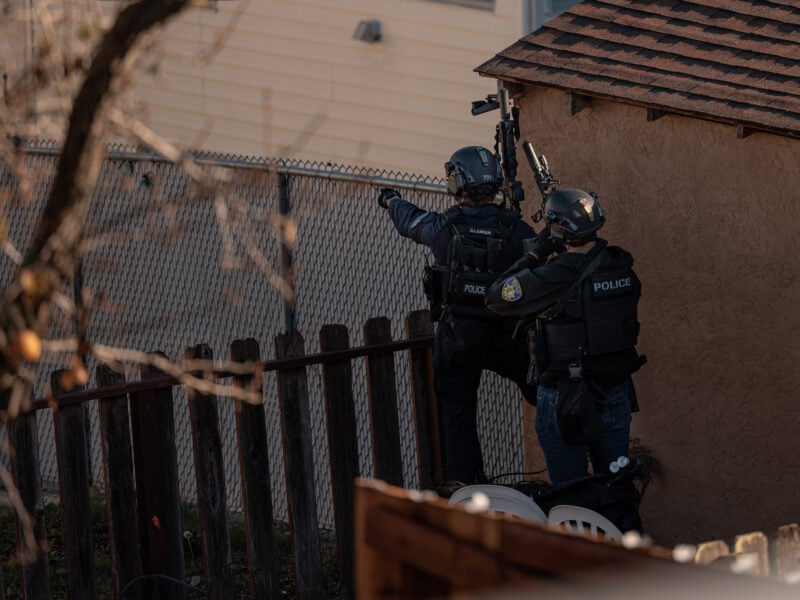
x=579, y=297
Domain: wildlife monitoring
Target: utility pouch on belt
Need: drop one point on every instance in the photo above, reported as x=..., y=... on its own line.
x=578, y=406
x=434, y=279
x=578, y=411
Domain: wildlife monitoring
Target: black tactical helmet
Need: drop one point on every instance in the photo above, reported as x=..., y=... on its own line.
x=573, y=214
x=476, y=169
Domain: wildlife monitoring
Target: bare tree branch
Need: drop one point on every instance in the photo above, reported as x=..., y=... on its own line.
x=55, y=248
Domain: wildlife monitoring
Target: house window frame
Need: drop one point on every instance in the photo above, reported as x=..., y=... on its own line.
x=549, y=12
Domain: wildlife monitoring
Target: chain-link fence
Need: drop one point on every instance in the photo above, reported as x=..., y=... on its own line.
x=170, y=263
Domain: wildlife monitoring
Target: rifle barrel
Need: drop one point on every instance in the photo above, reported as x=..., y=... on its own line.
x=532, y=158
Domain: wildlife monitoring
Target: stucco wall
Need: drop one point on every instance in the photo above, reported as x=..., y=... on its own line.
x=712, y=222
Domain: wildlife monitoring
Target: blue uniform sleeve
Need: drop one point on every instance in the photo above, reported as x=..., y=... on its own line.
x=412, y=222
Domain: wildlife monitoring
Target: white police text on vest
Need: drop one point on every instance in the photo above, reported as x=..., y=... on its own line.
x=612, y=285
x=475, y=288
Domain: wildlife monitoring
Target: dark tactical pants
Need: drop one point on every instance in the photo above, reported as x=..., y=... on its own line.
x=462, y=350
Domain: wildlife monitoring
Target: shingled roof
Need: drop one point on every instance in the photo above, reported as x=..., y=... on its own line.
x=733, y=61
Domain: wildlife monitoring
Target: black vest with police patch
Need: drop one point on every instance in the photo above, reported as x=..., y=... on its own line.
x=599, y=327
x=476, y=256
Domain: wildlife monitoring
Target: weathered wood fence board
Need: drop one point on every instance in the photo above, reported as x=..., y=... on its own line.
x=256, y=485
x=115, y=437
x=337, y=380
x=756, y=545
x=787, y=552
x=210, y=479
x=73, y=487
x=299, y=468
x=157, y=491
x=708, y=552
x=24, y=437
x=384, y=419
x=427, y=424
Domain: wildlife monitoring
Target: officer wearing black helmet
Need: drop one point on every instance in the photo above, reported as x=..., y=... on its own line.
x=472, y=243
x=580, y=306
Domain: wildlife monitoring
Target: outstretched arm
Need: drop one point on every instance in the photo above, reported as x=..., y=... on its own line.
x=411, y=221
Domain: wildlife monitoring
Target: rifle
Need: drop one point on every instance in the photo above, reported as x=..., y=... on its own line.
x=507, y=132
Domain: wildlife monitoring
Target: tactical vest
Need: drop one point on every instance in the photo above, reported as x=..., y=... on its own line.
x=476, y=256
x=600, y=321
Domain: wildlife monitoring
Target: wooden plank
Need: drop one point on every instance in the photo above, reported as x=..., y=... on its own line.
x=73, y=487
x=708, y=552
x=754, y=544
x=251, y=431
x=379, y=575
x=299, y=469
x=115, y=438
x=23, y=434
x=337, y=380
x=787, y=553
x=425, y=406
x=382, y=388
x=157, y=490
x=131, y=387
x=401, y=532
x=210, y=480
x=429, y=549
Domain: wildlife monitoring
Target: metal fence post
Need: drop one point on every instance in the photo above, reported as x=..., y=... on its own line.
x=286, y=253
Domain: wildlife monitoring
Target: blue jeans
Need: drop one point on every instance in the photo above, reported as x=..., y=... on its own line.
x=565, y=462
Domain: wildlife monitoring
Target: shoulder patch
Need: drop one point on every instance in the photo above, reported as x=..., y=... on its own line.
x=512, y=290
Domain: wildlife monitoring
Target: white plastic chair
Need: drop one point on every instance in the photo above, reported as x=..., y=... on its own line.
x=579, y=520
x=502, y=499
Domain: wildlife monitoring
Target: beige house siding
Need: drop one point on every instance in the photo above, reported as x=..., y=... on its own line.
x=712, y=223
x=290, y=81
x=14, y=48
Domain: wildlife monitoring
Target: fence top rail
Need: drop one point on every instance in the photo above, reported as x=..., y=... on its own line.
x=262, y=164
x=276, y=364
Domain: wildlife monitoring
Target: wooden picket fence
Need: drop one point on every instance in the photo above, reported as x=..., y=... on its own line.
x=409, y=545
x=137, y=431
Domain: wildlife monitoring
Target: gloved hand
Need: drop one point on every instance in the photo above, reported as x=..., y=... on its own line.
x=542, y=246
x=386, y=195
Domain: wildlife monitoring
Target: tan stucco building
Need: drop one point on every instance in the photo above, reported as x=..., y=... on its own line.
x=684, y=118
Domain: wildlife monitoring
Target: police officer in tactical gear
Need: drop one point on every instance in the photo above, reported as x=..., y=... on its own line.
x=581, y=311
x=472, y=243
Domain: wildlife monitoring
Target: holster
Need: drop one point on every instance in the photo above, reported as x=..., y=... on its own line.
x=434, y=279
x=537, y=351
